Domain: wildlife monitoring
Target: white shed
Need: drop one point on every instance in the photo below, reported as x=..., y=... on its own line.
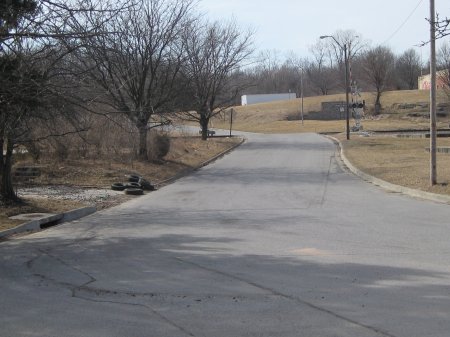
x=264, y=98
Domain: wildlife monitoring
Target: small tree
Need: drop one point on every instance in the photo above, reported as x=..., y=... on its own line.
x=212, y=53
x=378, y=64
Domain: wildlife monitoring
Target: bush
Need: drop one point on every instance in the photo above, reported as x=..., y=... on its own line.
x=161, y=146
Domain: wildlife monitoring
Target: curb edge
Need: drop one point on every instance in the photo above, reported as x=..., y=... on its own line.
x=386, y=185
x=35, y=225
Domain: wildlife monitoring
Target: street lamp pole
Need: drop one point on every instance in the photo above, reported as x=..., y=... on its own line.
x=301, y=90
x=347, y=85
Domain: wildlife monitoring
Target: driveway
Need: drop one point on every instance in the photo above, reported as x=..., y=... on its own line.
x=274, y=239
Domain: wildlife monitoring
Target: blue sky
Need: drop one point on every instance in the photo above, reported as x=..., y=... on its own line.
x=294, y=25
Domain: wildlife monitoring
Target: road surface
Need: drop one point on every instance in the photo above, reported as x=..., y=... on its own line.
x=274, y=239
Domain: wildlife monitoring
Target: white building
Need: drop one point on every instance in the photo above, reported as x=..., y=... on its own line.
x=264, y=98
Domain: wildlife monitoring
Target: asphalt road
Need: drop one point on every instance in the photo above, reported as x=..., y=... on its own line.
x=274, y=239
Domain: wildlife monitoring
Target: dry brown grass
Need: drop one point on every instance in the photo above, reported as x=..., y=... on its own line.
x=185, y=153
x=401, y=161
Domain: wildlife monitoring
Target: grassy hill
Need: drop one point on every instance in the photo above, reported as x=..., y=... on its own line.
x=401, y=109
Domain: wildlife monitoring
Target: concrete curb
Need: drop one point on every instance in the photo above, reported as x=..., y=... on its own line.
x=386, y=185
x=56, y=219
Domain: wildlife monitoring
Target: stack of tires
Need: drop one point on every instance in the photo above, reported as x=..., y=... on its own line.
x=136, y=185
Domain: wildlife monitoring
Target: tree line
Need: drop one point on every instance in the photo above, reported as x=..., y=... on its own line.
x=372, y=68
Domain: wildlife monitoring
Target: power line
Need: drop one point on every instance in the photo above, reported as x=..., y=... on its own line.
x=404, y=22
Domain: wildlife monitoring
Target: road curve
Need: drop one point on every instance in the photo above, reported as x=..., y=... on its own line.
x=274, y=239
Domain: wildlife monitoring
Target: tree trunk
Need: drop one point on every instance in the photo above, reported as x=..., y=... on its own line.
x=204, y=121
x=142, y=151
x=6, y=188
x=377, y=103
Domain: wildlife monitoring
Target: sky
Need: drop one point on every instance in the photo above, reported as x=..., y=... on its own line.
x=295, y=25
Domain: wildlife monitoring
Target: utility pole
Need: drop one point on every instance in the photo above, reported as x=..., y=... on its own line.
x=231, y=119
x=433, y=131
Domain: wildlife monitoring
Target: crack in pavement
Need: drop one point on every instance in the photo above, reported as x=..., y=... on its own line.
x=327, y=180
x=289, y=297
x=76, y=289
x=81, y=290
x=147, y=307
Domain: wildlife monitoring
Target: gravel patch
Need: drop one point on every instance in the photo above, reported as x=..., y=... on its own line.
x=87, y=195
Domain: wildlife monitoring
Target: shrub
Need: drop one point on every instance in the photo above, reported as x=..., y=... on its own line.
x=162, y=143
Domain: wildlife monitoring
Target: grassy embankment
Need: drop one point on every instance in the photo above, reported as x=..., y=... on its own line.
x=272, y=117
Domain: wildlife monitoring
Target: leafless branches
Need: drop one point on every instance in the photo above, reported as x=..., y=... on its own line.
x=442, y=27
x=135, y=68
x=212, y=52
x=378, y=64
x=408, y=66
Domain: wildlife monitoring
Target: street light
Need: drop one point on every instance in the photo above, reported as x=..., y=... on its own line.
x=347, y=112
x=301, y=91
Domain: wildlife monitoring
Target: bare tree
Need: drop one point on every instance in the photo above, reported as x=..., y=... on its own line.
x=443, y=64
x=135, y=69
x=442, y=27
x=294, y=69
x=213, y=51
x=321, y=73
x=378, y=64
x=268, y=69
x=408, y=67
x=354, y=44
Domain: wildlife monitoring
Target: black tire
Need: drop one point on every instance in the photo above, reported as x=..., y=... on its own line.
x=148, y=187
x=145, y=185
x=143, y=181
x=117, y=187
x=134, y=191
x=132, y=178
x=132, y=185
